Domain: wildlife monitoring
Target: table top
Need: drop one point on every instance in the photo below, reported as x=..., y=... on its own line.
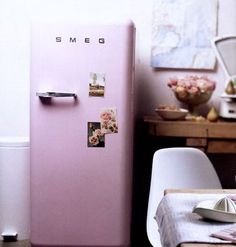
x=205, y=191
x=184, y=128
x=201, y=191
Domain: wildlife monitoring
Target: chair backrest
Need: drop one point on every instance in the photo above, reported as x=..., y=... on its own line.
x=177, y=168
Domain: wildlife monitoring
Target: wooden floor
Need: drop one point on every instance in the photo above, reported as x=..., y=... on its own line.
x=24, y=243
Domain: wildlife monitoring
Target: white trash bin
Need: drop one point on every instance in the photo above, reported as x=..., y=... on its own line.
x=14, y=187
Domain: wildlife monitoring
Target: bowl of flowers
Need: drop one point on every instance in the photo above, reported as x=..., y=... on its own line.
x=192, y=90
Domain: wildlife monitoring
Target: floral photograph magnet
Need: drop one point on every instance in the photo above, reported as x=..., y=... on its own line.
x=97, y=84
x=108, y=118
x=95, y=136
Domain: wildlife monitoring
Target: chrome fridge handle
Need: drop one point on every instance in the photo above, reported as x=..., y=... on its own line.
x=55, y=95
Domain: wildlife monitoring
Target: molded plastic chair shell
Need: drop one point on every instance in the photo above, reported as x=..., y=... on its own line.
x=177, y=168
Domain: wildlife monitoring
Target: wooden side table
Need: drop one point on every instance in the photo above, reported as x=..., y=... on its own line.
x=217, y=137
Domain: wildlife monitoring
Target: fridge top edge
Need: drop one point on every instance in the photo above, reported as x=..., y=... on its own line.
x=85, y=21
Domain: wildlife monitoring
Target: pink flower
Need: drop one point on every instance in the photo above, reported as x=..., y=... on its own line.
x=211, y=86
x=98, y=133
x=106, y=116
x=113, y=127
x=181, y=92
x=194, y=90
x=191, y=85
x=172, y=81
x=105, y=125
x=93, y=140
x=108, y=121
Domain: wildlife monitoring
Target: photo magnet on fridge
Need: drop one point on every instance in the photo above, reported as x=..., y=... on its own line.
x=97, y=84
x=95, y=136
x=108, y=118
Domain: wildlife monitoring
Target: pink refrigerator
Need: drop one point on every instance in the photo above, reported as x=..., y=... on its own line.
x=81, y=131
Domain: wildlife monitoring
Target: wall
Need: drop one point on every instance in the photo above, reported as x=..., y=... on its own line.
x=150, y=84
x=14, y=52
x=14, y=68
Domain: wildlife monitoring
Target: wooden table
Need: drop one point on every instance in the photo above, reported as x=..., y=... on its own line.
x=217, y=191
x=217, y=137
x=201, y=191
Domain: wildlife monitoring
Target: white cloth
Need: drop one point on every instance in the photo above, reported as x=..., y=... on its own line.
x=177, y=224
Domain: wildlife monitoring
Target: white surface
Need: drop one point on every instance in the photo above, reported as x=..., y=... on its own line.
x=228, y=96
x=9, y=234
x=14, y=190
x=177, y=168
x=178, y=224
x=227, y=109
x=206, y=210
x=14, y=141
x=224, y=48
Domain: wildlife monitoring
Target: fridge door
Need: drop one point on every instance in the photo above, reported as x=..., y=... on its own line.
x=80, y=193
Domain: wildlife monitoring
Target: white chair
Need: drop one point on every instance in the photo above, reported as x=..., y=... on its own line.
x=176, y=168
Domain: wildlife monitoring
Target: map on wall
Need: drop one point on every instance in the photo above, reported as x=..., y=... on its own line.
x=182, y=32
